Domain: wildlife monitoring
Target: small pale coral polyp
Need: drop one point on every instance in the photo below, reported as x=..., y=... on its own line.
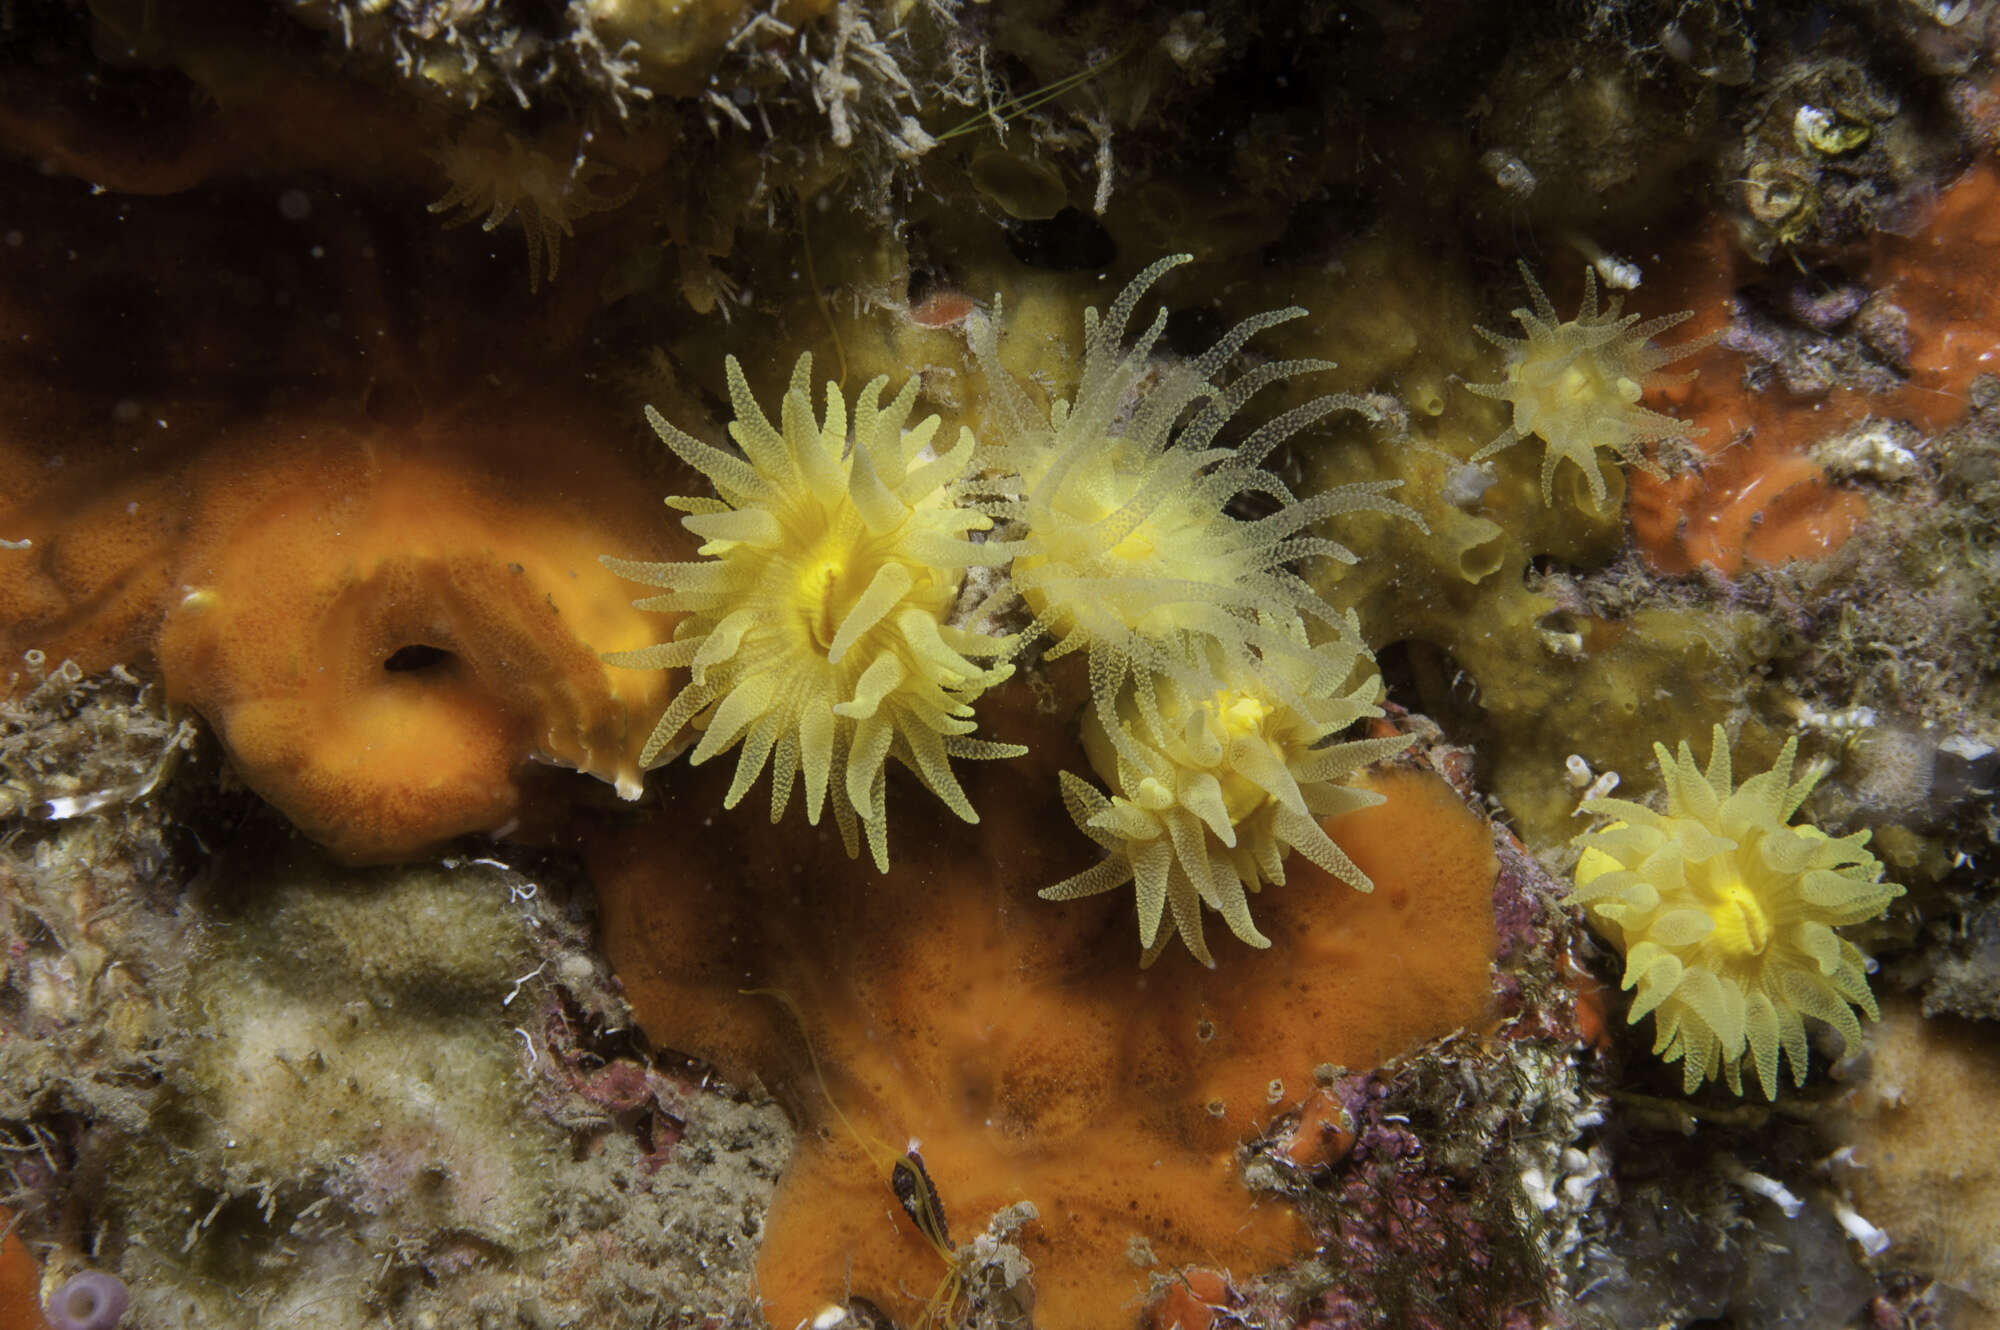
x=1726, y=915
x=815, y=630
x=1576, y=385
x=1212, y=793
x=1114, y=503
x=495, y=176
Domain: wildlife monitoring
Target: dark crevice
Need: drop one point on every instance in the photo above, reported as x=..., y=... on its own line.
x=416, y=658
x=1070, y=241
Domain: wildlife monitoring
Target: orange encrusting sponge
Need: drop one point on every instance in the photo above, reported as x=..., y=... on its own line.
x=1752, y=495
x=20, y=1282
x=1946, y=277
x=382, y=623
x=1755, y=496
x=1018, y=1041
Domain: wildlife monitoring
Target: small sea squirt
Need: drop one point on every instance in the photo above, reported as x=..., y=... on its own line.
x=1726, y=914
x=88, y=1300
x=816, y=629
x=1576, y=385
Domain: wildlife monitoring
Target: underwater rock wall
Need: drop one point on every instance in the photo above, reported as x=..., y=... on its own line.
x=265, y=1090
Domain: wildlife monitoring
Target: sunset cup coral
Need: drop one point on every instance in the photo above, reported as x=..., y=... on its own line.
x=1114, y=507
x=1221, y=785
x=1576, y=385
x=815, y=627
x=1210, y=701
x=499, y=176
x=1726, y=915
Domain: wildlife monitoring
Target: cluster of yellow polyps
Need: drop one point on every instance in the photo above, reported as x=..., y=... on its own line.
x=820, y=626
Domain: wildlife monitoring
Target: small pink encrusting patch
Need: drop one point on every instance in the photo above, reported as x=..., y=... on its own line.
x=942, y=309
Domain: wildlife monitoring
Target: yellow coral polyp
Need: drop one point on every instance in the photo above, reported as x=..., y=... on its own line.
x=1115, y=502
x=815, y=629
x=1726, y=915
x=496, y=174
x=1211, y=791
x=1576, y=385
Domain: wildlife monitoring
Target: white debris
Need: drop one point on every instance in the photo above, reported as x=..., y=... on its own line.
x=1583, y=1174
x=1509, y=172
x=1809, y=126
x=1770, y=1189
x=1617, y=273
x=1870, y=1238
x=1540, y=1194
x=1841, y=723
x=1880, y=450
x=1467, y=485
x=1962, y=746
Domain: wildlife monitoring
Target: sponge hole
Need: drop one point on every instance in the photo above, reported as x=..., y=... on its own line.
x=1070, y=241
x=418, y=658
